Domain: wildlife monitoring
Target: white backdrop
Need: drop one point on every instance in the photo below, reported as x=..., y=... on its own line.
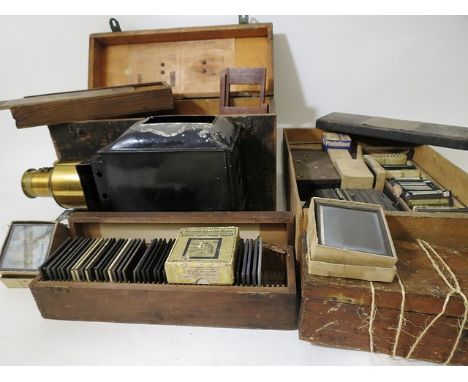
x=402, y=67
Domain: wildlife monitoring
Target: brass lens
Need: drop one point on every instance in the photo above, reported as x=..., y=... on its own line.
x=36, y=182
x=61, y=182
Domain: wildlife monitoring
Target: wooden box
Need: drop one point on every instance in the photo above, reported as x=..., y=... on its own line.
x=354, y=314
x=440, y=169
x=191, y=61
x=268, y=307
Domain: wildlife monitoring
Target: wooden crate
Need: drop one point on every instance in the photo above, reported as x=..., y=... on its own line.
x=272, y=307
x=336, y=312
x=440, y=169
x=191, y=61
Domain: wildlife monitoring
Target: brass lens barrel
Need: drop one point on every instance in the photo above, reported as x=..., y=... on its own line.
x=36, y=182
x=61, y=182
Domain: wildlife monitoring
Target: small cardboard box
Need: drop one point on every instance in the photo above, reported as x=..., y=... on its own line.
x=319, y=251
x=203, y=255
x=359, y=272
x=326, y=259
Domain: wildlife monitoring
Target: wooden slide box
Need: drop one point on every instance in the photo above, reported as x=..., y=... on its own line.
x=440, y=169
x=335, y=311
x=191, y=61
x=272, y=307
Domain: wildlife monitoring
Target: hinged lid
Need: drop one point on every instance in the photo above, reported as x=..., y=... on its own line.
x=189, y=59
x=420, y=133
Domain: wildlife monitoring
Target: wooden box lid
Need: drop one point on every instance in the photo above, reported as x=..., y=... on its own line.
x=83, y=105
x=189, y=59
x=420, y=133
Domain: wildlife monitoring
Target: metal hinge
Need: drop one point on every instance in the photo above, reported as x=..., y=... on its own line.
x=243, y=19
x=63, y=216
x=114, y=25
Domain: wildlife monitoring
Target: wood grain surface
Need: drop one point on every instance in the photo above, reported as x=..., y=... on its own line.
x=335, y=311
x=268, y=307
x=90, y=104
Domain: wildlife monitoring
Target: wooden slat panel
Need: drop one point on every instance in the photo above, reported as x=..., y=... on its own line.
x=233, y=217
x=192, y=67
x=219, y=306
x=255, y=53
x=293, y=201
x=95, y=61
x=346, y=326
x=210, y=106
x=273, y=234
x=90, y=104
x=296, y=136
x=442, y=228
x=186, y=34
x=202, y=63
x=130, y=57
x=443, y=171
x=115, y=74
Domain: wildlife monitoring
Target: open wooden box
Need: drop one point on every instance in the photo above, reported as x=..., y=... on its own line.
x=266, y=307
x=438, y=168
x=336, y=311
x=191, y=61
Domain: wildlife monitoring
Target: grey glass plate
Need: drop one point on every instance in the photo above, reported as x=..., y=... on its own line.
x=26, y=246
x=352, y=228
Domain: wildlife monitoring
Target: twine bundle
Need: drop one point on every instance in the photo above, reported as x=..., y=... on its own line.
x=442, y=268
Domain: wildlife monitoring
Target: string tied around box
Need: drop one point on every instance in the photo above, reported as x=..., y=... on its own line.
x=401, y=316
x=371, y=319
x=454, y=288
x=373, y=312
